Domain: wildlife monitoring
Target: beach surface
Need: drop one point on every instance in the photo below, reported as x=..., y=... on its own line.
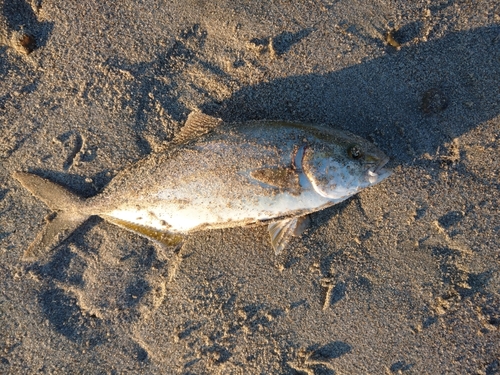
x=403, y=278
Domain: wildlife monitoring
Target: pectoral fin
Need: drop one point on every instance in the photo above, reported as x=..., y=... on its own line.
x=164, y=238
x=281, y=231
x=281, y=177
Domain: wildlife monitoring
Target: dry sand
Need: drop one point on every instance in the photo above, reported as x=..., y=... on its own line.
x=401, y=279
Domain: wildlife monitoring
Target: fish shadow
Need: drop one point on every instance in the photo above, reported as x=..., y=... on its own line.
x=410, y=102
x=75, y=183
x=388, y=99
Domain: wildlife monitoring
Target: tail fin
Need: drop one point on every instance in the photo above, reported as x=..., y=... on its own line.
x=69, y=213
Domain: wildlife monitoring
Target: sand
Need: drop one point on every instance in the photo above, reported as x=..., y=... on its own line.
x=401, y=279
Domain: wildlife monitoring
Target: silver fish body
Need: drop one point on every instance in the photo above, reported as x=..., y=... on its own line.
x=217, y=175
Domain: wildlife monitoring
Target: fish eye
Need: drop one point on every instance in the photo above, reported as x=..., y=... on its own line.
x=354, y=152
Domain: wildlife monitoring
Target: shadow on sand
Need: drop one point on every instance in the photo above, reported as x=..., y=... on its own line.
x=409, y=102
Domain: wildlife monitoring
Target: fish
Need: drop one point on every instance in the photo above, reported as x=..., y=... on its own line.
x=214, y=175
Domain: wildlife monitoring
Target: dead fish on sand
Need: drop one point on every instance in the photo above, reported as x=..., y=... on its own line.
x=219, y=175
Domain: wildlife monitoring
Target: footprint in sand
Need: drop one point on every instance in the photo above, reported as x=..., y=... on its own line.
x=87, y=289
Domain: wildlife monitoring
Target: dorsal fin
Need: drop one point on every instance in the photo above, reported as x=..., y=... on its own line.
x=197, y=124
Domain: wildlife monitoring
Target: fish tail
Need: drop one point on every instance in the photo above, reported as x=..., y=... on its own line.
x=70, y=211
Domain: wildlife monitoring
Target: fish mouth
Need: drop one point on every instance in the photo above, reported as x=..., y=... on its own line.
x=378, y=168
x=378, y=172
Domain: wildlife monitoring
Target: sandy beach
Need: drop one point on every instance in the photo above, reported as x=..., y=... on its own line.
x=403, y=278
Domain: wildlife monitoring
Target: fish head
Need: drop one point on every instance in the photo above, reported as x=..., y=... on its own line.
x=339, y=164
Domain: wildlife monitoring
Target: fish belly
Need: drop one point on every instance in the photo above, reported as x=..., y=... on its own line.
x=187, y=214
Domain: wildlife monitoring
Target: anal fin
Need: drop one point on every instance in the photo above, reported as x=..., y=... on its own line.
x=164, y=238
x=281, y=231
